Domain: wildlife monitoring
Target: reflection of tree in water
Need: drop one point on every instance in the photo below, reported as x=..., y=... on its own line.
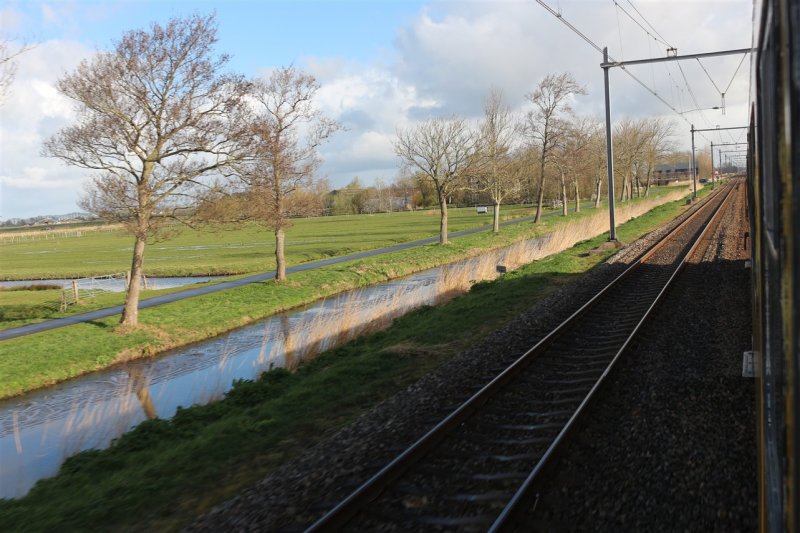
x=288, y=351
x=140, y=384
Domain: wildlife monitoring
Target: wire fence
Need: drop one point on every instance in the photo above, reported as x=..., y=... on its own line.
x=88, y=288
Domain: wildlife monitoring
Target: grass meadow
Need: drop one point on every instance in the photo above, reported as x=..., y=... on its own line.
x=221, y=249
x=165, y=472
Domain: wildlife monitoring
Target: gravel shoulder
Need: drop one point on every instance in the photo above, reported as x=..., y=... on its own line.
x=303, y=489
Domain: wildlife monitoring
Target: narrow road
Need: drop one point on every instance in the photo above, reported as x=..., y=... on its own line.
x=29, y=329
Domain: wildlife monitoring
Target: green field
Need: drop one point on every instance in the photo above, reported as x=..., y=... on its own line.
x=226, y=249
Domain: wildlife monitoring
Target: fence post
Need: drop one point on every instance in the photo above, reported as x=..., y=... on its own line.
x=75, y=291
x=144, y=281
x=127, y=279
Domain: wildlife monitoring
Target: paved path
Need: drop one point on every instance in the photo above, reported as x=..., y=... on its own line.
x=189, y=293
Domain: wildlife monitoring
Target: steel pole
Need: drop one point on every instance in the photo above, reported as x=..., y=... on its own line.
x=609, y=153
x=713, y=181
x=694, y=170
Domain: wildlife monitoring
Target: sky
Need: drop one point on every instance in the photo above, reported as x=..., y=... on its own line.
x=384, y=65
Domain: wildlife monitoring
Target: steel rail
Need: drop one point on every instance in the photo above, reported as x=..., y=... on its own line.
x=343, y=512
x=525, y=493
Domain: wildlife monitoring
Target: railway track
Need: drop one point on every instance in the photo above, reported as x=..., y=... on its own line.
x=479, y=468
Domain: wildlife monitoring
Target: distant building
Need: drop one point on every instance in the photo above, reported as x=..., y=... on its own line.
x=672, y=173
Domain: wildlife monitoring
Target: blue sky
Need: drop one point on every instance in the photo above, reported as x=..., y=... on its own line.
x=256, y=33
x=381, y=65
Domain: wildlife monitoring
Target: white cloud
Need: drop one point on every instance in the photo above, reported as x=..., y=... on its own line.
x=452, y=53
x=34, y=110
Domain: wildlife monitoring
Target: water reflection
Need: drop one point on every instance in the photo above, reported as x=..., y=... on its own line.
x=114, y=284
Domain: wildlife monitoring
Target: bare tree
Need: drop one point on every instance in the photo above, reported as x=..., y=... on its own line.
x=659, y=132
x=441, y=150
x=8, y=64
x=285, y=133
x=630, y=146
x=544, y=125
x=155, y=118
x=496, y=173
x=598, y=164
x=571, y=155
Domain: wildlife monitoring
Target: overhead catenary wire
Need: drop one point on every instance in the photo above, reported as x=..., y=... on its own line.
x=663, y=40
x=735, y=73
x=709, y=76
x=620, y=8
x=619, y=32
x=594, y=45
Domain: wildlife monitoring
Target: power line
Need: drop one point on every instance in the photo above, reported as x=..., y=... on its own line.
x=709, y=76
x=591, y=43
x=663, y=41
x=620, y=8
x=612, y=60
x=619, y=32
x=651, y=26
x=734, y=74
x=570, y=26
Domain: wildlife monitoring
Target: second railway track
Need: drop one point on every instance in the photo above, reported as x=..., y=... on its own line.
x=478, y=468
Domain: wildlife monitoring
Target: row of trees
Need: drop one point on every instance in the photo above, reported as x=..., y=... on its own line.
x=166, y=130
x=507, y=156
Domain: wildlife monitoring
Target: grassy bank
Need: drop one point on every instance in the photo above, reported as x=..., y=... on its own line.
x=164, y=473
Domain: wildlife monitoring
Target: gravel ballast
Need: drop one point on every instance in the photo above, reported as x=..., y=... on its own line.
x=303, y=489
x=670, y=444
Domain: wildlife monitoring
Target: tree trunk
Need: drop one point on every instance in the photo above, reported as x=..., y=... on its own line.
x=443, y=217
x=598, y=192
x=496, y=222
x=538, y=216
x=539, y=202
x=624, y=188
x=130, y=313
x=577, y=198
x=649, y=177
x=280, y=260
x=564, y=208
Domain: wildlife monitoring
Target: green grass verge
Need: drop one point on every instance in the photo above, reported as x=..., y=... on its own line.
x=98, y=344
x=165, y=472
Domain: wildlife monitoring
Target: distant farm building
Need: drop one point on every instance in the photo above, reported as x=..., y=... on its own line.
x=672, y=173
